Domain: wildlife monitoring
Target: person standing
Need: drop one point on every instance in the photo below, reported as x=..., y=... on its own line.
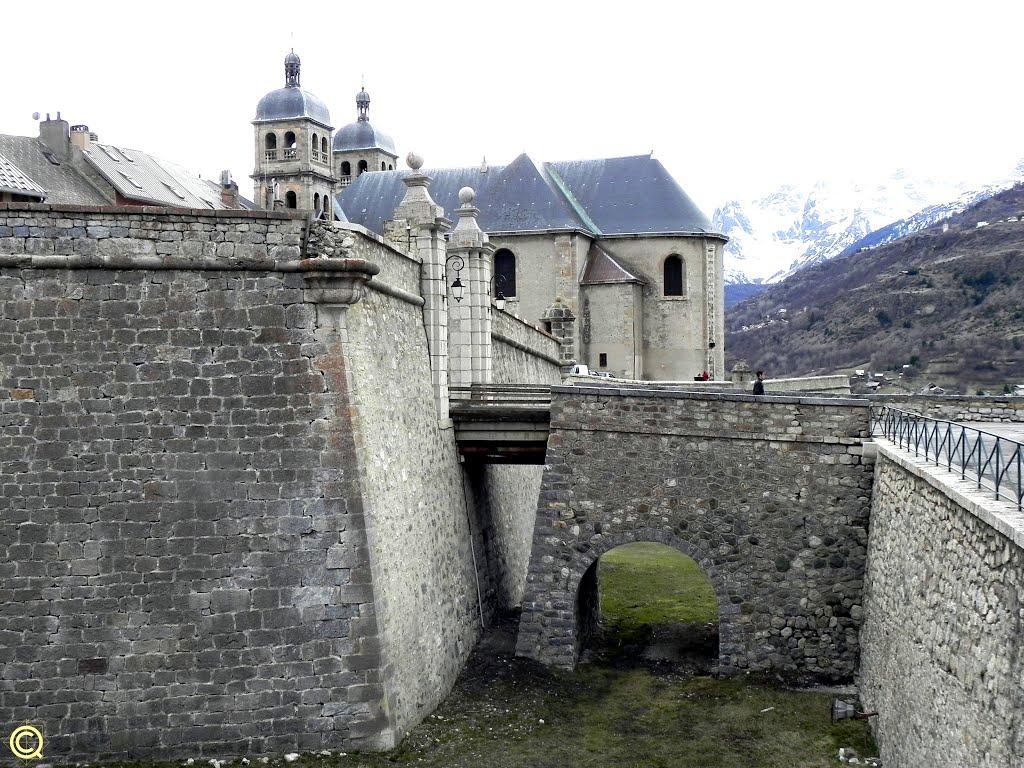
x=759, y=384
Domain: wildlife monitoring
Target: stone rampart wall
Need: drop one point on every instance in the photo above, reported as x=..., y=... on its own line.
x=942, y=651
x=957, y=407
x=769, y=495
x=522, y=353
x=232, y=522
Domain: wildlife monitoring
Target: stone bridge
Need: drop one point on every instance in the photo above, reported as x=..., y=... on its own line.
x=771, y=496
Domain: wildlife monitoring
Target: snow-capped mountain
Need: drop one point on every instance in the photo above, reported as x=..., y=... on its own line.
x=794, y=227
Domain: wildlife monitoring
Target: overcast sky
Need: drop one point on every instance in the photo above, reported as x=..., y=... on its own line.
x=733, y=96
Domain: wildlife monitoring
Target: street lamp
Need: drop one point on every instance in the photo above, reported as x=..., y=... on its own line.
x=499, y=292
x=457, y=287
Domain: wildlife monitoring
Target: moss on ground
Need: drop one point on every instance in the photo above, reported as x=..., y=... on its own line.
x=513, y=713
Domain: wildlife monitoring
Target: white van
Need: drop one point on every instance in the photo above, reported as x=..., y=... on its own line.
x=579, y=370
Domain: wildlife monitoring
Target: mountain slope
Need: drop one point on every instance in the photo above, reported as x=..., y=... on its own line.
x=795, y=227
x=949, y=303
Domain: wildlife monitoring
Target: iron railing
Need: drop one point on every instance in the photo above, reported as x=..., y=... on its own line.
x=993, y=462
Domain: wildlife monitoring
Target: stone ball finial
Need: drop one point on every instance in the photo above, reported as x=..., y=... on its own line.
x=414, y=161
x=466, y=195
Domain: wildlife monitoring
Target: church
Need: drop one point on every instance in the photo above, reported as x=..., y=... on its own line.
x=609, y=255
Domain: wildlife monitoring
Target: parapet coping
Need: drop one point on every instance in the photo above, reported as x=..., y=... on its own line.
x=129, y=262
x=153, y=210
x=570, y=389
x=999, y=514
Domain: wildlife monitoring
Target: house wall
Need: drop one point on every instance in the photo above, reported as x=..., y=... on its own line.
x=611, y=322
x=674, y=327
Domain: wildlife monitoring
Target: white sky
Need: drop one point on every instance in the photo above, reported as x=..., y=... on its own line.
x=734, y=96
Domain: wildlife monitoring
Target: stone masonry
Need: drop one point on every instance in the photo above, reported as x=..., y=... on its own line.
x=769, y=496
x=942, y=652
x=230, y=524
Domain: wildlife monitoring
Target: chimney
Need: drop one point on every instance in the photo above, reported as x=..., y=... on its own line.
x=81, y=137
x=55, y=135
x=228, y=191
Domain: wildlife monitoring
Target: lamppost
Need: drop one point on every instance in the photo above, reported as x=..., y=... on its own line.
x=457, y=264
x=499, y=291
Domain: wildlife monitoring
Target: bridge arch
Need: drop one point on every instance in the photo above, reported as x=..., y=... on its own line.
x=770, y=496
x=584, y=584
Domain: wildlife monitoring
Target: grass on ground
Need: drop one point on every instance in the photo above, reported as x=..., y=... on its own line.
x=512, y=713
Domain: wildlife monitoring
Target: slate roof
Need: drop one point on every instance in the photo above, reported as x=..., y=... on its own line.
x=13, y=180
x=603, y=268
x=62, y=182
x=630, y=195
x=292, y=102
x=362, y=135
x=624, y=195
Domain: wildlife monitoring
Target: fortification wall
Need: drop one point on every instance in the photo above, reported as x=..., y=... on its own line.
x=942, y=652
x=522, y=353
x=957, y=407
x=232, y=521
x=770, y=496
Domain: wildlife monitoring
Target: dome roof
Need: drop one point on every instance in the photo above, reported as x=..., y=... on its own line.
x=292, y=102
x=362, y=135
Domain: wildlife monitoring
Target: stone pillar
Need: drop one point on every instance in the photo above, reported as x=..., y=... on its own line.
x=426, y=227
x=560, y=322
x=741, y=374
x=470, y=336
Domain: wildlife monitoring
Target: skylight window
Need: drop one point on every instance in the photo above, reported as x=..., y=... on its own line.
x=131, y=179
x=174, y=190
x=107, y=151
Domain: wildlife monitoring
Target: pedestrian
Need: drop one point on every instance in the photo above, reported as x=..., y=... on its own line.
x=759, y=384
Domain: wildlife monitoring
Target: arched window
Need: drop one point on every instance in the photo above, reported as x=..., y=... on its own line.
x=675, y=280
x=270, y=142
x=290, y=151
x=362, y=166
x=505, y=272
x=315, y=145
x=316, y=202
x=323, y=146
x=383, y=166
x=290, y=200
x=391, y=167
x=346, y=168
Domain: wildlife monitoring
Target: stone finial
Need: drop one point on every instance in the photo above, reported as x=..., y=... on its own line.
x=414, y=161
x=466, y=195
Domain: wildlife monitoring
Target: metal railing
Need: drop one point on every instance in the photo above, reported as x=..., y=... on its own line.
x=993, y=462
x=501, y=395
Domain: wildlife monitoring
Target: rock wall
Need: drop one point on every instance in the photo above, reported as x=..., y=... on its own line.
x=942, y=652
x=771, y=497
x=957, y=407
x=232, y=521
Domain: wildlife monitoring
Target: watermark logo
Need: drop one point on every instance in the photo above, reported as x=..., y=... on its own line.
x=27, y=742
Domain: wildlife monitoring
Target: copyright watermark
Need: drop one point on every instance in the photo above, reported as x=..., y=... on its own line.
x=26, y=742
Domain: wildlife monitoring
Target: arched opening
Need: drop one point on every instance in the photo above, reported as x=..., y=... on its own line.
x=391, y=167
x=649, y=601
x=290, y=200
x=383, y=166
x=346, y=168
x=270, y=141
x=362, y=166
x=315, y=143
x=316, y=202
x=675, y=278
x=290, y=150
x=323, y=147
x=505, y=272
